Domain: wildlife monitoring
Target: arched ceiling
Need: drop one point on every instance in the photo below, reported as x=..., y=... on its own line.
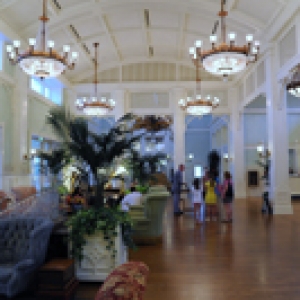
x=136, y=31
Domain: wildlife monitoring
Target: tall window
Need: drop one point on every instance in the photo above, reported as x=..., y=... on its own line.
x=41, y=176
x=52, y=89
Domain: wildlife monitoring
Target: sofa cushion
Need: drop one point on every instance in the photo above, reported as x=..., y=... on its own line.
x=6, y=272
x=6, y=254
x=126, y=282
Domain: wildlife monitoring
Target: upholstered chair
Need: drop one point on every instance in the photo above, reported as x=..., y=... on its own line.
x=148, y=217
x=23, y=246
x=126, y=282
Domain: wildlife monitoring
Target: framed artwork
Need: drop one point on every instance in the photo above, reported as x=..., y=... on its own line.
x=253, y=178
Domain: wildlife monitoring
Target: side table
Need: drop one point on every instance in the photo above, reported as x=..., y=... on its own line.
x=57, y=280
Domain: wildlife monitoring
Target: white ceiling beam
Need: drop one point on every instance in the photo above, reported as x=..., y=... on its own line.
x=52, y=8
x=86, y=7
x=6, y=4
x=146, y=34
x=74, y=12
x=182, y=34
x=82, y=53
x=102, y=18
x=232, y=4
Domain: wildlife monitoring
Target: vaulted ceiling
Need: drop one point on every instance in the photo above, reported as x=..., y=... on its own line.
x=136, y=31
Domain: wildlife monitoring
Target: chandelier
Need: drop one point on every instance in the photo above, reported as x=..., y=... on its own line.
x=198, y=106
x=41, y=60
x=293, y=85
x=226, y=58
x=96, y=106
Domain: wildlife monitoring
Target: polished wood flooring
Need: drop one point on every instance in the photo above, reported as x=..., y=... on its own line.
x=255, y=257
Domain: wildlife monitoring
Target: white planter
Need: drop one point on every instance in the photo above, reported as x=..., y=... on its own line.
x=97, y=262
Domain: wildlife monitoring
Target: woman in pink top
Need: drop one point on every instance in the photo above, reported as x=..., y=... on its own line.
x=227, y=196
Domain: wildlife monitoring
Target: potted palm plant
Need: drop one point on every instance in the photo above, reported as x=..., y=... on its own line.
x=98, y=235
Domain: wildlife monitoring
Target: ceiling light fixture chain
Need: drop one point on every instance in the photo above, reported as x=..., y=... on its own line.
x=96, y=45
x=41, y=60
x=95, y=106
x=226, y=58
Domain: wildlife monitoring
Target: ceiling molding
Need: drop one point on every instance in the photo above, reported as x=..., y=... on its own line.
x=136, y=60
x=182, y=34
x=78, y=11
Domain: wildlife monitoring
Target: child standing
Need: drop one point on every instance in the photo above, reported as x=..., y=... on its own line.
x=197, y=199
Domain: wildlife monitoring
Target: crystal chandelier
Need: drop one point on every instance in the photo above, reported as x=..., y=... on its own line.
x=96, y=106
x=198, y=106
x=293, y=85
x=226, y=58
x=41, y=60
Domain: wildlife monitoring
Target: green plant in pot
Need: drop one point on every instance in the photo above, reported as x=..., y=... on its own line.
x=94, y=153
x=105, y=220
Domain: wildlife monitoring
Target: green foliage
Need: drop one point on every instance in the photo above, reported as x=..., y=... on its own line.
x=143, y=189
x=57, y=160
x=105, y=220
x=143, y=167
x=62, y=190
x=93, y=151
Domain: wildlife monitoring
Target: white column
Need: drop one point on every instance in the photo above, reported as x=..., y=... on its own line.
x=70, y=98
x=20, y=123
x=120, y=97
x=279, y=191
x=236, y=151
x=178, y=126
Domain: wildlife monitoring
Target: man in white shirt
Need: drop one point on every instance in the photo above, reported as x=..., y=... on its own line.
x=134, y=198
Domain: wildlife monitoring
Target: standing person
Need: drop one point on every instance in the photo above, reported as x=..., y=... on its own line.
x=197, y=199
x=211, y=198
x=227, y=196
x=204, y=180
x=177, y=182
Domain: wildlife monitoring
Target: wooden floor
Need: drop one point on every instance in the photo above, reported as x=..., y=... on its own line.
x=255, y=257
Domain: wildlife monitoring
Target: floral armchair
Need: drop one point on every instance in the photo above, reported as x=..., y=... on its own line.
x=23, y=246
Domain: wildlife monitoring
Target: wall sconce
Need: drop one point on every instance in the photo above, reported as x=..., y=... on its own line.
x=262, y=151
x=31, y=155
x=190, y=157
x=226, y=157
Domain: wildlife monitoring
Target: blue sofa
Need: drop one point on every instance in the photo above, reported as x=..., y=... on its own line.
x=23, y=246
